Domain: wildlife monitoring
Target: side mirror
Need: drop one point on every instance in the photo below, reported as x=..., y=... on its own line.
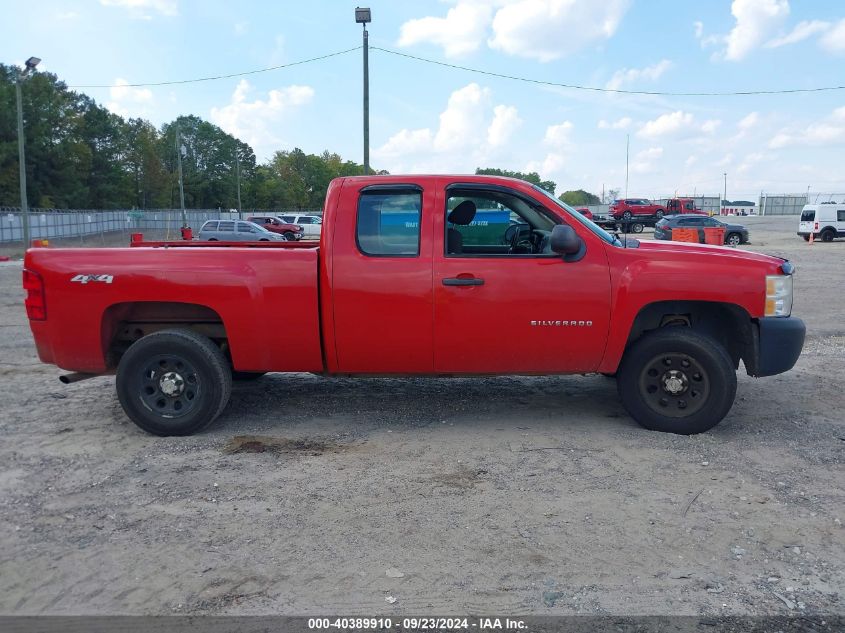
x=565, y=241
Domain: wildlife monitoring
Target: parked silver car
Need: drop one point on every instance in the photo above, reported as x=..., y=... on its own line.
x=236, y=231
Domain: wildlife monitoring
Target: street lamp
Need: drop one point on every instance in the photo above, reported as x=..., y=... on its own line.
x=725, y=197
x=31, y=63
x=363, y=17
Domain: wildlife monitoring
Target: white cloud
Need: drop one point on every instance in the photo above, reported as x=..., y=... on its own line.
x=834, y=39
x=558, y=135
x=645, y=161
x=755, y=21
x=505, y=122
x=633, y=75
x=748, y=121
x=620, y=124
x=827, y=131
x=666, y=124
x=66, y=15
x=257, y=122
x=127, y=101
x=143, y=8
x=550, y=29
x=462, y=118
x=699, y=29
x=471, y=131
x=726, y=160
x=710, y=125
x=460, y=32
x=802, y=31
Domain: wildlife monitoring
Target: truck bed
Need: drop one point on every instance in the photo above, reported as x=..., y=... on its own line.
x=264, y=294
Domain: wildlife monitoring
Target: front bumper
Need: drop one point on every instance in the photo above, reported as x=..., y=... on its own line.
x=777, y=345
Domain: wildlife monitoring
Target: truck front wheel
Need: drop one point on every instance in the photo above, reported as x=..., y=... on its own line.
x=677, y=381
x=173, y=382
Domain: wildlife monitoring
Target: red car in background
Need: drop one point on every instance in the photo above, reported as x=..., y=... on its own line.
x=627, y=208
x=585, y=212
x=276, y=225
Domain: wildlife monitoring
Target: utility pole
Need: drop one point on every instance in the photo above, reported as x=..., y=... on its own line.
x=238, y=163
x=627, y=147
x=181, y=185
x=20, y=75
x=725, y=197
x=363, y=16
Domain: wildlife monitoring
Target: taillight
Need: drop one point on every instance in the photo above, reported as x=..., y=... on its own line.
x=36, y=305
x=816, y=226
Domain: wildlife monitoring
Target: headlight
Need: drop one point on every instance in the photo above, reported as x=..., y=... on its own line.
x=778, y=295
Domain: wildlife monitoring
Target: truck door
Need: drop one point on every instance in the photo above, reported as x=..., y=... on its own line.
x=381, y=279
x=503, y=302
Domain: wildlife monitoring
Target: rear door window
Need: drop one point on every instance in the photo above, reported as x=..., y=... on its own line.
x=808, y=215
x=388, y=222
x=840, y=215
x=227, y=225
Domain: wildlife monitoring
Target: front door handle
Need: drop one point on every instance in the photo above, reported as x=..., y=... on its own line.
x=463, y=281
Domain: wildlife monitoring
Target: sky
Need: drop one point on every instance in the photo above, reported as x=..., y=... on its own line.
x=428, y=118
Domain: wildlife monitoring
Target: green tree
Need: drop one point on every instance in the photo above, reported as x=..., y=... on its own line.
x=532, y=177
x=579, y=198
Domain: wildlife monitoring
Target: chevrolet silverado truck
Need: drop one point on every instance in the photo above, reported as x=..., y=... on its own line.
x=418, y=275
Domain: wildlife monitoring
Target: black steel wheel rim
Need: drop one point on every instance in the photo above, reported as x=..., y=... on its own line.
x=675, y=385
x=169, y=386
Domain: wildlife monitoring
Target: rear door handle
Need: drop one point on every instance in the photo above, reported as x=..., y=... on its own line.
x=462, y=281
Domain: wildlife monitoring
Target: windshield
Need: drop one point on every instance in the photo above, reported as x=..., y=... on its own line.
x=595, y=228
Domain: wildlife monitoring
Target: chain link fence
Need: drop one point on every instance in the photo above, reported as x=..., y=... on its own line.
x=157, y=224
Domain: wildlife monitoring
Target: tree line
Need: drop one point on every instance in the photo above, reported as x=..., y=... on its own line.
x=80, y=155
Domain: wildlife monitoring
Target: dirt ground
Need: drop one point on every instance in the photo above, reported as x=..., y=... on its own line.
x=453, y=496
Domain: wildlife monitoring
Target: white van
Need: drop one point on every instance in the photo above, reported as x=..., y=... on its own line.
x=311, y=224
x=824, y=221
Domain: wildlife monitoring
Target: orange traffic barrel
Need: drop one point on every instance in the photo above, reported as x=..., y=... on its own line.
x=714, y=235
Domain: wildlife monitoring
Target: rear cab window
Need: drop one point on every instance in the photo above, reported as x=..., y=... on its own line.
x=388, y=221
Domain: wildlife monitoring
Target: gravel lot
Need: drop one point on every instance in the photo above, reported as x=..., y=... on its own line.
x=495, y=495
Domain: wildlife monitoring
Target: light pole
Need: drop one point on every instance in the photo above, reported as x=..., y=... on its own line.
x=179, y=150
x=725, y=196
x=362, y=16
x=238, y=165
x=31, y=63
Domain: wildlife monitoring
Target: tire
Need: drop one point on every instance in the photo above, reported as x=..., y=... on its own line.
x=734, y=239
x=637, y=227
x=806, y=238
x=212, y=239
x=695, y=363
x=244, y=376
x=290, y=237
x=627, y=215
x=159, y=372
x=659, y=214
x=828, y=235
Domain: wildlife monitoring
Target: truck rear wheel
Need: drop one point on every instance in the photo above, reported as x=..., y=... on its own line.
x=173, y=382
x=677, y=381
x=828, y=235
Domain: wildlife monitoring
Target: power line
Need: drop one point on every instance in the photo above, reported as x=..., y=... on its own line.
x=595, y=89
x=216, y=77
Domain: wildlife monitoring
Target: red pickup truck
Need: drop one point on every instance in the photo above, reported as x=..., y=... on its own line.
x=418, y=275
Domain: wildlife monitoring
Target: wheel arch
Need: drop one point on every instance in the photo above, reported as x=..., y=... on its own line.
x=727, y=323
x=124, y=323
